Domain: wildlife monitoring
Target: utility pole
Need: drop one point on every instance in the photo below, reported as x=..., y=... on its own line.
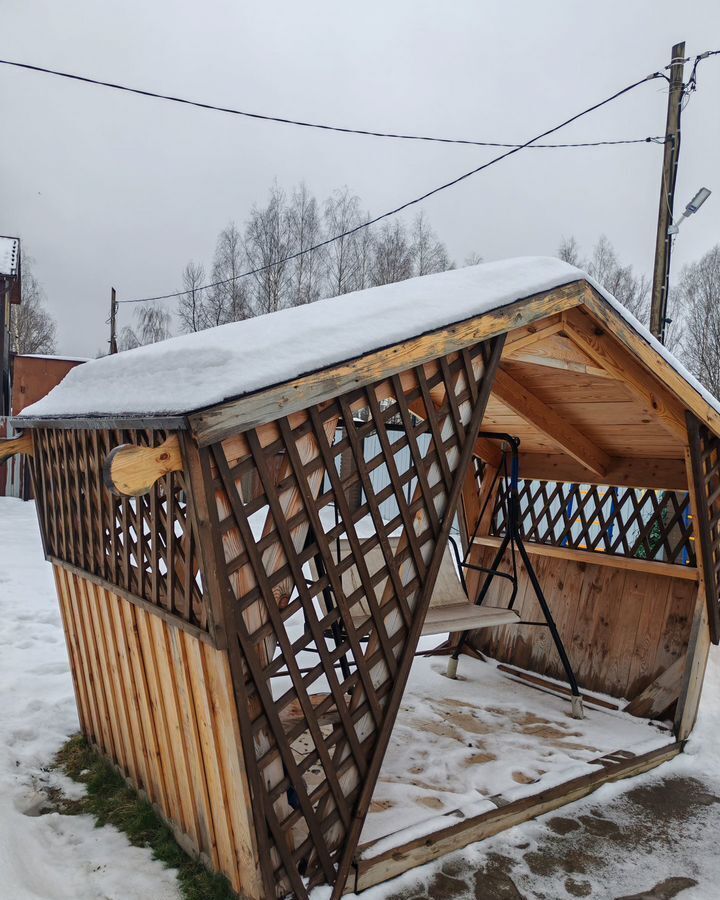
x=671, y=155
x=113, y=317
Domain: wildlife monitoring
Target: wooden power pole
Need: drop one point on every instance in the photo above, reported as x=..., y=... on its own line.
x=663, y=242
x=113, y=319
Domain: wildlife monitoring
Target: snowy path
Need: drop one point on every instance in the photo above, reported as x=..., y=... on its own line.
x=49, y=856
x=621, y=841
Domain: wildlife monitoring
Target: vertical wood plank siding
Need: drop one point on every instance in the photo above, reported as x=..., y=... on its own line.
x=621, y=628
x=159, y=703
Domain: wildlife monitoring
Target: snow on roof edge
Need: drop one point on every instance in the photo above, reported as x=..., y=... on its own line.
x=197, y=371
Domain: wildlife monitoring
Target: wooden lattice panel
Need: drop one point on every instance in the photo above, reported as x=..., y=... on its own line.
x=645, y=524
x=705, y=461
x=320, y=667
x=144, y=545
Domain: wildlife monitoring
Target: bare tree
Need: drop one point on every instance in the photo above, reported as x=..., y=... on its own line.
x=632, y=290
x=267, y=244
x=698, y=297
x=428, y=253
x=392, y=255
x=304, y=226
x=472, y=259
x=152, y=324
x=191, y=306
x=32, y=328
x=342, y=214
x=569, y=251
x=228, y=301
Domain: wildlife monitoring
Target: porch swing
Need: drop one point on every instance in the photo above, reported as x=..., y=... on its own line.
x=511, y=539
x=451, y=609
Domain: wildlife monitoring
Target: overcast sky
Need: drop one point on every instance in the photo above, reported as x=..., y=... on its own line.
x=112, y=189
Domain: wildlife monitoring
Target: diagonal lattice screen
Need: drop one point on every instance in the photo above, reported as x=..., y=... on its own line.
x=705, y=461
x=647, y=524
x=143, y=545
x=327, y=597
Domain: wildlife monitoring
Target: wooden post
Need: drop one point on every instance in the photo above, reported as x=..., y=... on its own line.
x=671, y=155
x=113, y=317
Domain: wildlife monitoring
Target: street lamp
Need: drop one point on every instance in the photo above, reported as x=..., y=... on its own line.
x=692, y=207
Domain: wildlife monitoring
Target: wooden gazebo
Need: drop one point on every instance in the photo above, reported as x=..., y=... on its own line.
x=242, y=613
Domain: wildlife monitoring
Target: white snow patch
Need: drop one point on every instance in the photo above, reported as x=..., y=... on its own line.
x=49, y=856
x=466, y=746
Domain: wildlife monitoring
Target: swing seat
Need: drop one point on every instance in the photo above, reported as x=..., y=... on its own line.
x=450, y=610
x=466, y=617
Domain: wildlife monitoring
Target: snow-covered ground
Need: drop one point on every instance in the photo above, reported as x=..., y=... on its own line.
x=55, y=857
x=49, y=856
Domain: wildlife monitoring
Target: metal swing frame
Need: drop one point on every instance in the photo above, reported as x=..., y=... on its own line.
x=513, y=538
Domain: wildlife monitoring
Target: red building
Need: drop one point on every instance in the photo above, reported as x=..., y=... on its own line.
x=32, y=376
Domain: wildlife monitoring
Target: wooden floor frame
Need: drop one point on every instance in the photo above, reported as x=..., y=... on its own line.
x=374, y=870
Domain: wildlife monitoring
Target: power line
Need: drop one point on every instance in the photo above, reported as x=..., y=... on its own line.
x=303, y=124
x=409, y=203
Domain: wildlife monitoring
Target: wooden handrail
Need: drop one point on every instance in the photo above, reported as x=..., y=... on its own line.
x=594, y=558
x=131, y=471
x=10, y=446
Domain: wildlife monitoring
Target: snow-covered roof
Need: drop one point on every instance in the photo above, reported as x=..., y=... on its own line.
x=55, y=356
x=199, y=370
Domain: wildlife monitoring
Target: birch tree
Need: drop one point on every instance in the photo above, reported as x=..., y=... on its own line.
x=32, y=328
x=392, y=254
x=428, y=253
x=191, y=306
x=229, y=300
x=152, y=324
x=305, y=230
x=697, y=301
x=267, y=244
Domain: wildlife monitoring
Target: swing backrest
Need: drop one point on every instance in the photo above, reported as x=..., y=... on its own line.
x=448, y=589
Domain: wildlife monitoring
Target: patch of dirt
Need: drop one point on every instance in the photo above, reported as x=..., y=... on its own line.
x=430, y=802
x=664, y=890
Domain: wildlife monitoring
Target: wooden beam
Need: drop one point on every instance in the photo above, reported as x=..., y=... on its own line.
x=600, y=343
x=553, y=362
x=557, y=349
x=554, y=426
x=130, y=471
x=266, y=405
x=657, y=696
x=694, y=672
x=10, y=446
x=652, y=361
x=376, y=869
x=660, y=474
x=531, y=334
x=489, y=452
x=595, y=558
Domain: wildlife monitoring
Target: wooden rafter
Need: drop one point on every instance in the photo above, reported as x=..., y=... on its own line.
x=538, y=414
x=660, y=474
